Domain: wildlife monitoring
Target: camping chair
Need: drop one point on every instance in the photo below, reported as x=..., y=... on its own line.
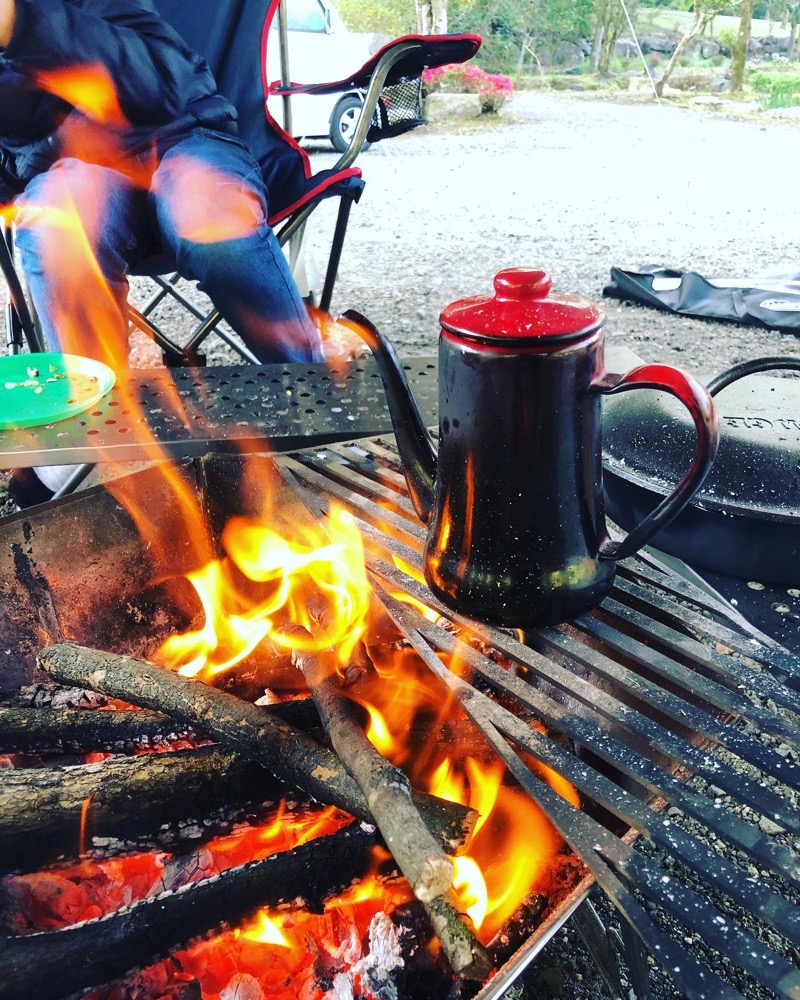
x=225, y=34
x=392, y=80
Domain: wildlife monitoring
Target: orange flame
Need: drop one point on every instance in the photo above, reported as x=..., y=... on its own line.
x=192, y=183
x=265, y=929
x=89, y=88
x=316, y=580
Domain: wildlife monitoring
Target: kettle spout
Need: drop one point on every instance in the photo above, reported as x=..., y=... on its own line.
x=414, y=443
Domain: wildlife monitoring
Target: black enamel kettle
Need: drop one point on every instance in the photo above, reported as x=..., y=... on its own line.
x=514, y=499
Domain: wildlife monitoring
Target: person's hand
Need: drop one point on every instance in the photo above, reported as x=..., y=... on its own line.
x=8, y=11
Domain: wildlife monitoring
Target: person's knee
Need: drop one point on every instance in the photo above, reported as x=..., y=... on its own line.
x=201, y=206
x=77, y=209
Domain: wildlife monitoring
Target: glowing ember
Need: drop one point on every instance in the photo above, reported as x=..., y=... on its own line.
x=265, y=930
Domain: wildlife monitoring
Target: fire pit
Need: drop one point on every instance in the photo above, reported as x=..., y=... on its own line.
x=636, y=730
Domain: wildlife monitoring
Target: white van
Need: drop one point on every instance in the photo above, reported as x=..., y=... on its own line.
x=321, y=50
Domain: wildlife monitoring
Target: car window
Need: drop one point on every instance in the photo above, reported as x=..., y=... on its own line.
x=306, y=15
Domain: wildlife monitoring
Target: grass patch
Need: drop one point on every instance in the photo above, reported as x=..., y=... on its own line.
x=677, y=21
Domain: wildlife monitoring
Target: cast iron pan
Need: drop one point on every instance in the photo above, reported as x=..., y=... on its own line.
x=745, y=521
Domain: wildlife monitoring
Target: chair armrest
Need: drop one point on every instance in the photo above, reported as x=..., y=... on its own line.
x=393, y=82
x=400, y=58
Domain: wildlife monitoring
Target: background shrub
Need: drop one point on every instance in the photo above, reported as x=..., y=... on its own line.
x=493, y=88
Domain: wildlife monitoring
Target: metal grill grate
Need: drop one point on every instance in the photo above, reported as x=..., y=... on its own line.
x=675, y=721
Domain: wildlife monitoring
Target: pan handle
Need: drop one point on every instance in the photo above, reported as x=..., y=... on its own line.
x=697, y=400
x=745, y=368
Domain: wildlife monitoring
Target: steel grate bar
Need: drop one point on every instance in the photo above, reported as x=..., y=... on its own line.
x=588, y=730
x=710, y=691
x=784, y=665
x=734, y=674
x=681, y=712
x=720, y=872
x=587, y=837
x=377, y=515
x=637, y=687
x=644, y=568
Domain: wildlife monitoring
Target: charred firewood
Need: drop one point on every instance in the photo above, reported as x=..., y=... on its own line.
x=465, y=953
x=56, y=964
x=77, y=730
x=164, y=798
x=72, y=730
x=290, y=755
x=519, y=928
x=429, y=970
x=419, y=856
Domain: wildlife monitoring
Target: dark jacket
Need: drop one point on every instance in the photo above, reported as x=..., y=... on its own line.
x=161, y=87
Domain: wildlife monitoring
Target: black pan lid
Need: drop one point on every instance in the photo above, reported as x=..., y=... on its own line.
x=648, y=440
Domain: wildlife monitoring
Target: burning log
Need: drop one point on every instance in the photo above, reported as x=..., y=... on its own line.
x=464, y=952
x=42, y=810
x=68, y=730
x=290, y=755
x=420, y=858
x=57, y=964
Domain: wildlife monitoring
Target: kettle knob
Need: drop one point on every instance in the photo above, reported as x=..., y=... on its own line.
x=516, y=284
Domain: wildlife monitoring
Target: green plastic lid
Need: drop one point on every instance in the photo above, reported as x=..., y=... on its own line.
x=40, y=389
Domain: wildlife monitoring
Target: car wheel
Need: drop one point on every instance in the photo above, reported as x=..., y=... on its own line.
x=344, y=122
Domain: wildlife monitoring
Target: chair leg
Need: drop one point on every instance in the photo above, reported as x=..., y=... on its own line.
x=18, y=317
x=172, y=355
x=74, y=481
x=342, y=218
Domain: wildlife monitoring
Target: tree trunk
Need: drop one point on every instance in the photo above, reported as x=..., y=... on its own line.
x=523, y=49
x=439, y=17
x=597, y=44
x=423, y=10
x=606, y=52
x=696, y=26
x=739, y=59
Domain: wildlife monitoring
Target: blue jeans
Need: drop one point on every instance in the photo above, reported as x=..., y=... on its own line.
x=82, y=228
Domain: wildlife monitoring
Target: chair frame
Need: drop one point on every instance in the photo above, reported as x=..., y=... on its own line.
x=292, y=228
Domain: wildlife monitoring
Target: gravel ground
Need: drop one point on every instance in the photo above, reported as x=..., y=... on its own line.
x=575, y=184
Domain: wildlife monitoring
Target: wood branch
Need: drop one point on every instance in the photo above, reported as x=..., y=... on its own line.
x=78, y=730
x=466, y=955
x=165, y=798
x=420, y=858
x=57, y=964
x=288, y=754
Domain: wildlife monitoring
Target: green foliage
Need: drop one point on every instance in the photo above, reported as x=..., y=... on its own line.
x=385, y=17
x=506, y=26
x=727, y=38
x=779, y=90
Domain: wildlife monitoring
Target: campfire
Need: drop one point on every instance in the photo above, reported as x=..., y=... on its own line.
x=303, y=808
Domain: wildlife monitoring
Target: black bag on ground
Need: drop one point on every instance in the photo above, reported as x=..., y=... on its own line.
x=769, y=300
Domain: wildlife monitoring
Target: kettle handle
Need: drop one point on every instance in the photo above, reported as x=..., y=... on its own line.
x=697, y=400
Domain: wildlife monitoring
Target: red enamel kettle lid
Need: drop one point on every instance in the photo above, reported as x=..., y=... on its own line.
x=522, y=310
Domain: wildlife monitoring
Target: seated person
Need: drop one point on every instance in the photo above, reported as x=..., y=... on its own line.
x=115, y=142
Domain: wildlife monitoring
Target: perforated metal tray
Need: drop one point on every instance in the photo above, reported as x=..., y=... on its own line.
x=177, y=412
